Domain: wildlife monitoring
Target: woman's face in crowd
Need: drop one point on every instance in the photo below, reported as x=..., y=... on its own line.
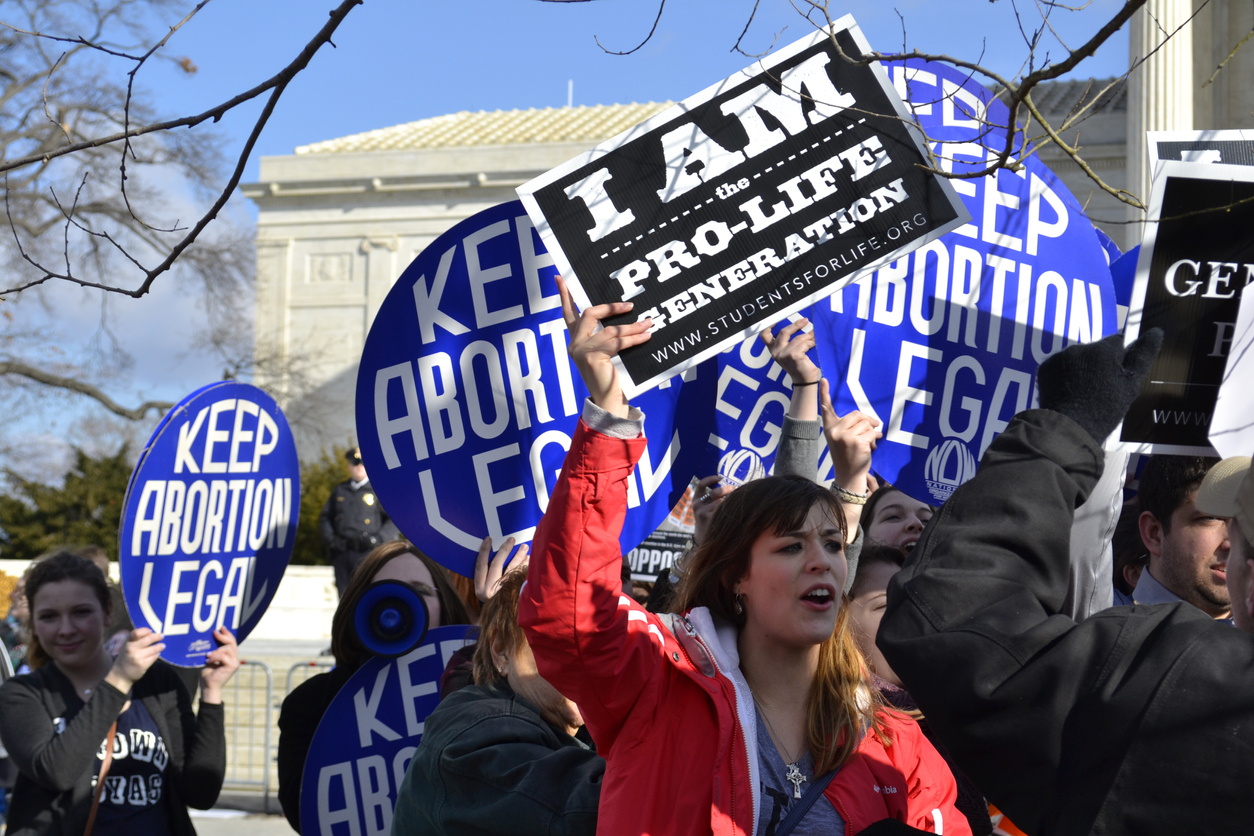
x=69, y=622
x=899, y=521
x=407, y=568
x=865, y=612
x=526, y=682
x=792, y=592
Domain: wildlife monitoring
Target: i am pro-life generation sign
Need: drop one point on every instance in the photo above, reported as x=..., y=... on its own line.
x=744, y=203
x=210, y=519
x=1195, y=261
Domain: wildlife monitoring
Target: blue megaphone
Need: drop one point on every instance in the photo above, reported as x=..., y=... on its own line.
x=390, y=619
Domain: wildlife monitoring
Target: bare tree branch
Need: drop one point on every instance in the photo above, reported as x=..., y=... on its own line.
x=70, y=384
x=660, y=8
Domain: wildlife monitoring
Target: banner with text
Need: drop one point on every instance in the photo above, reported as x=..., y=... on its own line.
x=210, y=519
x=744, y=202
x=942, y=345
x=1195, y=261
x=368, y=736
x=467, y=399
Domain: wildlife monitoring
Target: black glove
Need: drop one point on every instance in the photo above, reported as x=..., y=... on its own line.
x=1093, y=384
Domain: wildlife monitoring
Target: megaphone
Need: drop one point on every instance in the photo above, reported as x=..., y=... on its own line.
x=390, y=619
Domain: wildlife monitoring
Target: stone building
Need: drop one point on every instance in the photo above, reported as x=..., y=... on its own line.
x=339, y=220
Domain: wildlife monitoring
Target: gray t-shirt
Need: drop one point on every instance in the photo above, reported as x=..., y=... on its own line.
x=777, y=795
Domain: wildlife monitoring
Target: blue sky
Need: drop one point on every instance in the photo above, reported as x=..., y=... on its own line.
x=397, y=61
x=401, y=60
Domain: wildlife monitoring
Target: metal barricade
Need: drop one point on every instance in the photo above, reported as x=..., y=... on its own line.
x=248, y=723
x=302, y=671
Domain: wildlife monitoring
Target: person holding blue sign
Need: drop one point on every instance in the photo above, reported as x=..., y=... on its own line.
x=124, y=725
x=303, y=708
x=758, y=682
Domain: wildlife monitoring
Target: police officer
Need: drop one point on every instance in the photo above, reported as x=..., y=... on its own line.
x=353, y=522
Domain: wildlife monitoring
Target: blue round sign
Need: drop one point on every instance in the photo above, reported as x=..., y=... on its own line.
x=942, y=346
x=751, y=400
x=368, y=736
x=210, y=519
x=467, y=400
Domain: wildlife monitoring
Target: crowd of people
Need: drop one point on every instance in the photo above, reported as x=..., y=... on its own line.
x=1052, y=651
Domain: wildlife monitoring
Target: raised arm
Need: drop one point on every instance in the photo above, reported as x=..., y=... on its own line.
x=594, y=644
x=973, y=625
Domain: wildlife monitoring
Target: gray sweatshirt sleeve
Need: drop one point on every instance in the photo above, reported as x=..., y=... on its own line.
x=52, y=760
x=798, y=453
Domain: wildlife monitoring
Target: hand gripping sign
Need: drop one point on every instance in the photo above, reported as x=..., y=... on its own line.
x=210, y=519
x=942, y=345
x=467, y=400
x=368, y=736
x=743, y=203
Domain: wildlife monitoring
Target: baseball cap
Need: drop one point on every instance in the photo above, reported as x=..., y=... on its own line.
x=1228, y=491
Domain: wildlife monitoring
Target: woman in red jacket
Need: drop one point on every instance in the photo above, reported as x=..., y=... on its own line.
x=721, y=719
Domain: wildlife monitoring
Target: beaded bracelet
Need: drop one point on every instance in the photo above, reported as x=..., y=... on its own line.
x=851, y=497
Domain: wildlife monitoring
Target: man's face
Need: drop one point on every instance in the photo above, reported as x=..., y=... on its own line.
x=1192, y=559
x=1240, y=578
x=357, y=472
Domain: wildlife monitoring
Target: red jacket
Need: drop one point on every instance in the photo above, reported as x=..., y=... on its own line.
x=666, y=702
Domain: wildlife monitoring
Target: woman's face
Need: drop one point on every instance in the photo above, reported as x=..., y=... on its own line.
x=69, y=622
x=898, y=521
x=407, y=568
x=525, y=680
x=791, y=594
x=865, y=612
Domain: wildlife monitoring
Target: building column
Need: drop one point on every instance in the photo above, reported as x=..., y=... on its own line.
x=1160, y=91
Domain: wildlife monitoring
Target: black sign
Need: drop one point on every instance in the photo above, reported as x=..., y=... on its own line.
x=1194, y=263
x=1223, y=147
x=744, y=203
x=659, y=551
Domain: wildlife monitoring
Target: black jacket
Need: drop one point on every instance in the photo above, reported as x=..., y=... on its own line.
x=53, y=792
x=298, y=720
x=489, y=763
x=1138, y=720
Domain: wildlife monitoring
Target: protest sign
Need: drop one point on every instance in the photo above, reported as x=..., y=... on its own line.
x=744, y=202
x=467, y=399
x=1224, y=147
x=368, y=736
x=210, y=519
x=942, y=346
x=1196, y=259
x=1232, y=426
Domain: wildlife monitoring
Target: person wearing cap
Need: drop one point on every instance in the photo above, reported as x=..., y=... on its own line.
x=353, y=522
x=1135, y=720
x=1227, y=492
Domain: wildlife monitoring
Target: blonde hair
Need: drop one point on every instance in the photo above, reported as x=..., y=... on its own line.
x=841, y=706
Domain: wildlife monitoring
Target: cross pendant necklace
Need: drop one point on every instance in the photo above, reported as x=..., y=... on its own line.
x=794, y=775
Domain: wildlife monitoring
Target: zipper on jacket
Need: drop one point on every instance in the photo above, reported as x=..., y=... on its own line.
x=753, y=807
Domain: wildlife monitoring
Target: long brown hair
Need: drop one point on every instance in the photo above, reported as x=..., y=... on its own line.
x=344, y=644
x=498, y=621
x=841, y=705
x=61, y=566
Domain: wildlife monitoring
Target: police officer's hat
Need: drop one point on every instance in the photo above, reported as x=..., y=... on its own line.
x=353, y=455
